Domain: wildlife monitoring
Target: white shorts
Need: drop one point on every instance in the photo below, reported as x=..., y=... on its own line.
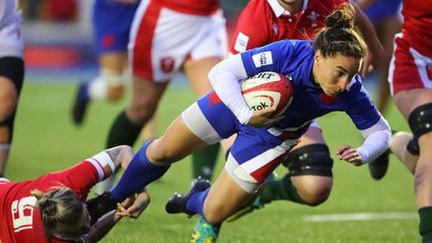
x=11, y=41
x=162, y=39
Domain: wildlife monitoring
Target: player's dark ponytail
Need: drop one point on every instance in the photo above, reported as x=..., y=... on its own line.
x=61, y=212
x=343, y=17
x=339, y=36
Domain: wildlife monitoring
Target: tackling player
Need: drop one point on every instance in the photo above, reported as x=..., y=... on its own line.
x=51, y=208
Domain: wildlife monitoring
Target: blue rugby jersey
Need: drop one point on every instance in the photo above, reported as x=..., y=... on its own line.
x=294, y=59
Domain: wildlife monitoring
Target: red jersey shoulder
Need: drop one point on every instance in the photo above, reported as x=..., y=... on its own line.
x=254, y=26
x=314, y=15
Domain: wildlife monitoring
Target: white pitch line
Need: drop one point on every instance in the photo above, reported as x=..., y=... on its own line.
x=360, y=216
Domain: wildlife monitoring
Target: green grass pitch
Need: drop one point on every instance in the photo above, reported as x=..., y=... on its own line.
x=46, y=140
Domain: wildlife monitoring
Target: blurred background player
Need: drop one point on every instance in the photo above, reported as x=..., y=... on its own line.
x=410, y=78
x=168, y=37
x=52, y=208
x=387, y=19
x=112, y=20
x=309, y=181
x=11, y=74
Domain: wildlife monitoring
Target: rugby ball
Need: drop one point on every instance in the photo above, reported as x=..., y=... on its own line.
x=267, y=89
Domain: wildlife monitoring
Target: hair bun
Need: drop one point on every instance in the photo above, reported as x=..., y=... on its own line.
x=342, y=18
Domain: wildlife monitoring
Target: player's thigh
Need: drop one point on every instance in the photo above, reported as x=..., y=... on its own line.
x=177, y=142
x=8, y=98
x=408, y=100
x=197, y=71
x=145, y=98
x=114, y=61
x=224, y=198
x=312, y=136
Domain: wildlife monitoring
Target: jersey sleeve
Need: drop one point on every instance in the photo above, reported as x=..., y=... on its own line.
x=361, y=108
x=273, y=57
x=251, y=30
x=80, y=178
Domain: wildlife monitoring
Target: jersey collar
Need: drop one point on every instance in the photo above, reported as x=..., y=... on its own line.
x=279, y=10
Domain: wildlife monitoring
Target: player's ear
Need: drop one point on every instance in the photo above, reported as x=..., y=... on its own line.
x=318, y=56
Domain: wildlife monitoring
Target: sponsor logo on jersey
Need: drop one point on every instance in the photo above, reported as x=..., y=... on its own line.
x=262, y=59
x=241, y=42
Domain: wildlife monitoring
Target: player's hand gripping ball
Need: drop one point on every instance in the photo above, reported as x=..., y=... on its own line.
x=268, y=89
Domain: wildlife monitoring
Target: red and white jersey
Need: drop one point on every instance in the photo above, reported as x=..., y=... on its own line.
x=20, y=221
x=417, y=25
x=266, y=21
x=201, y=7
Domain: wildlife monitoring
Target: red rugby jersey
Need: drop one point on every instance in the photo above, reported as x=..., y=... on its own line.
x=265, y=21
x=19, y=221
x=417, y=25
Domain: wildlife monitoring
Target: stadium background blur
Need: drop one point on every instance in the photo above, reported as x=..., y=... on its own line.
x=59, y=52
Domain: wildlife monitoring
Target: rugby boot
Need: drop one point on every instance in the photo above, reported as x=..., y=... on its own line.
x=204, y=232
x=177, y=203
x=80, y=104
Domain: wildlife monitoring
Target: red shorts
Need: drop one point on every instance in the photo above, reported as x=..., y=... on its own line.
x=408, y=69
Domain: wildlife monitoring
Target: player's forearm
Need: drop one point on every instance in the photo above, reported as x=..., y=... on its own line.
x=225, y=80
x=121, y=155
x=377, y=140
x=102, y=227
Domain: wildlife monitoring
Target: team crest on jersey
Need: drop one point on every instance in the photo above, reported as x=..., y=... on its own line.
x=313, y=16
x=167, y=64
x=262, y=59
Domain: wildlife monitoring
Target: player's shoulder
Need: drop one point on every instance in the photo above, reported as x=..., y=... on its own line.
x=294, y=46
x=256, y=12
x=325, y=5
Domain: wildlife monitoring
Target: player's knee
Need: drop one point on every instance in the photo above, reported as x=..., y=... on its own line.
x=313, y=159
x=159, y=153
x=316, y=195
x=114, y=94
x=141, y=112
x=420, y=120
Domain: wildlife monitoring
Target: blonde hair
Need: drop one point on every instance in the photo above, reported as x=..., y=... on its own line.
x=339, y=36
x=61, y=212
